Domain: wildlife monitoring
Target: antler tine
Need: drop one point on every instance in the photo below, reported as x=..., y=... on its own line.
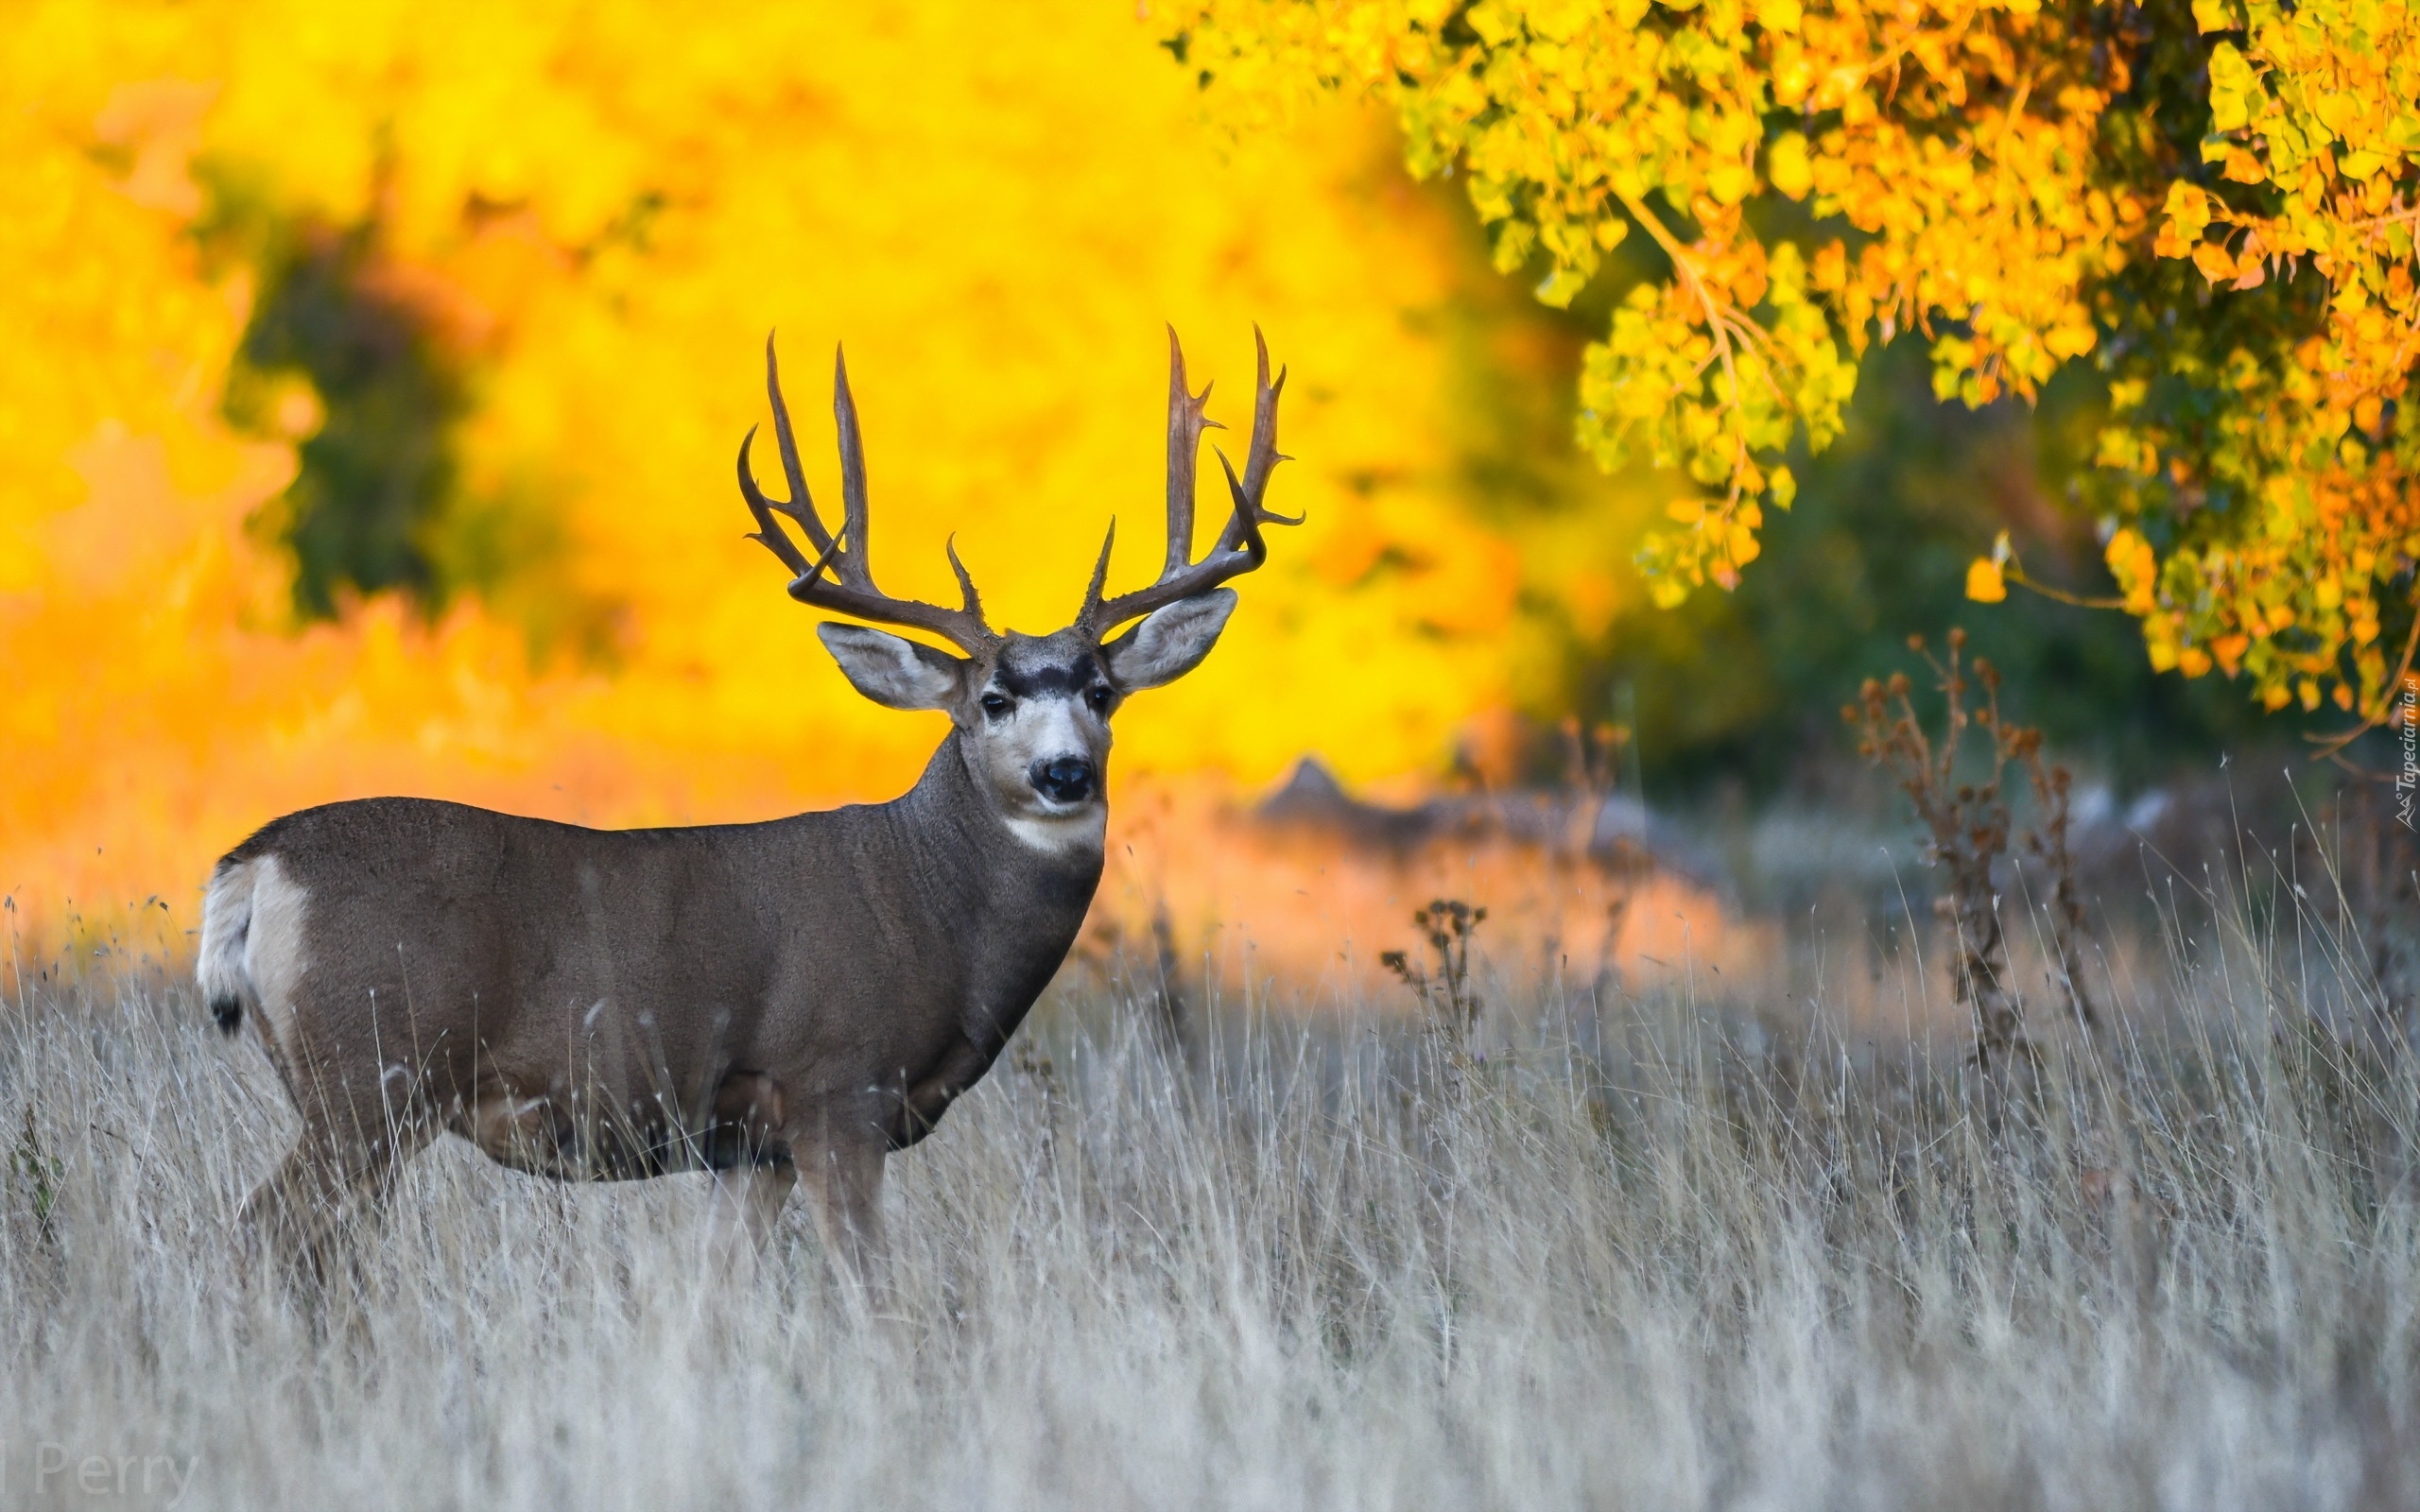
x=1187, y=419
x=973, y=600
x=849, y=589
x=768, y=532
x=800, y=505
x=1091, y=610
x=1261, y=460
x=1241, y=547
x=855, y=567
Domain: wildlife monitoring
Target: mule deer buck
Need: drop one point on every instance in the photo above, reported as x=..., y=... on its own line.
x=770, y=1002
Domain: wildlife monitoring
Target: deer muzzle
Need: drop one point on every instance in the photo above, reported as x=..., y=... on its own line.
x=1066, y=779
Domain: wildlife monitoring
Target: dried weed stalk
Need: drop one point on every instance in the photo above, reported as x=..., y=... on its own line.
x=1968, y=831
x=2053, y=787
x=1449, y=1001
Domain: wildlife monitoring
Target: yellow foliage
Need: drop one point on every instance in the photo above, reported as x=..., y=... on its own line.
x=604, y=208
x=1990, y=174
x=2317, y=109
x=1952, y=137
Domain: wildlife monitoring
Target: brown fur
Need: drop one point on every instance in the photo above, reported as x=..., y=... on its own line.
x=601, y=1005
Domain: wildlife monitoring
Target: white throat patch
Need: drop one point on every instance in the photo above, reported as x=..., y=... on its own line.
x=1059, y=833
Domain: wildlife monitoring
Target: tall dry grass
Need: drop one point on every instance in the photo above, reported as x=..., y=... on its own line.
x=1655, y=1251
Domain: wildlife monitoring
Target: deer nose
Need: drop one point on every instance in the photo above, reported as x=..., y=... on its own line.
x=1063, y=779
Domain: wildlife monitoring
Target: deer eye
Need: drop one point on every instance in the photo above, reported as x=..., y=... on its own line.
x=1098, y=695
x=994, y=705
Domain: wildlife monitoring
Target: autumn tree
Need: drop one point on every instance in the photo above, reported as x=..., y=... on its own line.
x=2214, y=208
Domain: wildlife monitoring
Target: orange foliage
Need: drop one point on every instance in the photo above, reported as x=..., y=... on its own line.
x=601, y=210
x=1943, y=145
x=2017, y=180
x=2315, y=140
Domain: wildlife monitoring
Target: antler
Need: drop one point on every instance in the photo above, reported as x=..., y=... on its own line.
x=1241, y=547
x=851, y=589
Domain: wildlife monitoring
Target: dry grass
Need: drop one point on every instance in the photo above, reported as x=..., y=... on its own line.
x=1653, y=1253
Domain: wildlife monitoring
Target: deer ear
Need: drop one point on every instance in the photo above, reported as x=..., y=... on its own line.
x=1170, y=641
x=891, y=670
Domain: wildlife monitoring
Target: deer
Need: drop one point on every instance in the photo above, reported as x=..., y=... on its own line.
x=786, y=1000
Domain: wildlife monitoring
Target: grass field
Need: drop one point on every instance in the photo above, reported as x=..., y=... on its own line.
x=1656, y=1250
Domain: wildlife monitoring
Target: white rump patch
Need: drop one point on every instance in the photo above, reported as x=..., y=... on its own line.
x=275, y=955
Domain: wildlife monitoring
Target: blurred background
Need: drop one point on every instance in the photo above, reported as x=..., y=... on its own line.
x=374, y=377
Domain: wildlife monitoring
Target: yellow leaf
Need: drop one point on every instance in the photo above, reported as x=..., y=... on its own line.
x=1557, y=289
x=1984, y=584
x=2359, y=167
x=2189, y=207
x=2073, y=338
x=1787, y=166
x=2233, y=88
x=1730, y=182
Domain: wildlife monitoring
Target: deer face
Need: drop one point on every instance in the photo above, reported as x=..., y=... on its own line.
x=1034, y=715
x=1032, y=710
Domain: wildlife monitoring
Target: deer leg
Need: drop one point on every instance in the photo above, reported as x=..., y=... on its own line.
x=752, y=1174
x=297, y=1219
x=846, y=1183
x=742, y=1211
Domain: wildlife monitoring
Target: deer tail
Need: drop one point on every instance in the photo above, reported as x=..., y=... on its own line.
x=226, y=926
